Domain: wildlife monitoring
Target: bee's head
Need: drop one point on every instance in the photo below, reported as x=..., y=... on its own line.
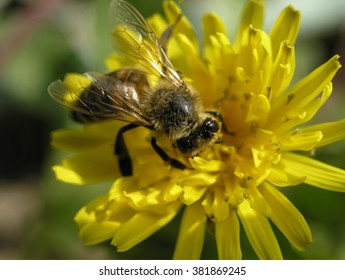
x=204, y=134
x=209, y=128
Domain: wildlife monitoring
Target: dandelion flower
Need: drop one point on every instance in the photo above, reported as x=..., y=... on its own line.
x=233, y=182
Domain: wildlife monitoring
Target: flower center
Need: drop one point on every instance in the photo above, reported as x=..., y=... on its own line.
x=247, y=150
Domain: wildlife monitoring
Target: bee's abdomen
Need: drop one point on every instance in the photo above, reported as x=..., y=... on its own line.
x=85, y=118
x=95, y=105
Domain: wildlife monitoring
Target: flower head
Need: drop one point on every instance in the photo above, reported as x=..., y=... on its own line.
x=233, y=181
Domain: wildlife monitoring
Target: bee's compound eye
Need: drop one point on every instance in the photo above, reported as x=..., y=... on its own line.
x=208, y=129
x=211, y=125
x=186, y=145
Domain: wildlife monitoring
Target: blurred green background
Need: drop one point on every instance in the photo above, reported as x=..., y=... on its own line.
x=41, y=40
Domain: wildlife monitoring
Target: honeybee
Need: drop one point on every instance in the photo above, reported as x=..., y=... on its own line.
x=170, y=108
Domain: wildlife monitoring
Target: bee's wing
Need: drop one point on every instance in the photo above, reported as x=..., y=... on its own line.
x=102, y=97
x=134, y=36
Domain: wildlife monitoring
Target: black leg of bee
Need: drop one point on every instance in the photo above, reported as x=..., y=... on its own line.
x=120, y=149
x=164, y=156
x=220, y=117
x=125, y=161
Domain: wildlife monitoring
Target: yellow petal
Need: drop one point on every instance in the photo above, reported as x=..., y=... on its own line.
x=228, y=238
x=86, y=215
x=300, y=140
x=314, y=106
x=98, y=232
x=140, y=197
x=203, y=165
x=77, y=140
x=283, y=70
x=259, y=232
x=198, y=179
x=114, y=62
x=143, y=198
x=153, y=196
x=287, y=218
x=191, y=234
x=332, y=131
x=212, y=25
x=252, y=15
x=255, y=57
x=219, y=57
x=151, y=172
x=220, y=206
x=173, y=11
x=98, y=165
x=157, y=23
x=142, y=225
x=89, y=137
x=196, y=71
x=317, y=173
x=258, y=40
x=67, y=175
x=300, y=95
x=258, y=109
x=278, y=177
x=306, y=113
x=94, y=221
x=192, y=194
x=286, y=28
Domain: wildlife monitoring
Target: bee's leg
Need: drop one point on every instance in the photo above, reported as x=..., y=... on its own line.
x=120, y=149
x=164, y=156
x=220, y=117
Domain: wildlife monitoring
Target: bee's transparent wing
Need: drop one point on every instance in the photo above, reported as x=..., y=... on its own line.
x=104, y=97
x=133, y=36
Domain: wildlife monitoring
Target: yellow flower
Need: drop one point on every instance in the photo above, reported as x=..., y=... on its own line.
x=233, y=182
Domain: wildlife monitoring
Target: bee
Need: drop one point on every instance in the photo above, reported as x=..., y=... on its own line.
x=170, y=108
